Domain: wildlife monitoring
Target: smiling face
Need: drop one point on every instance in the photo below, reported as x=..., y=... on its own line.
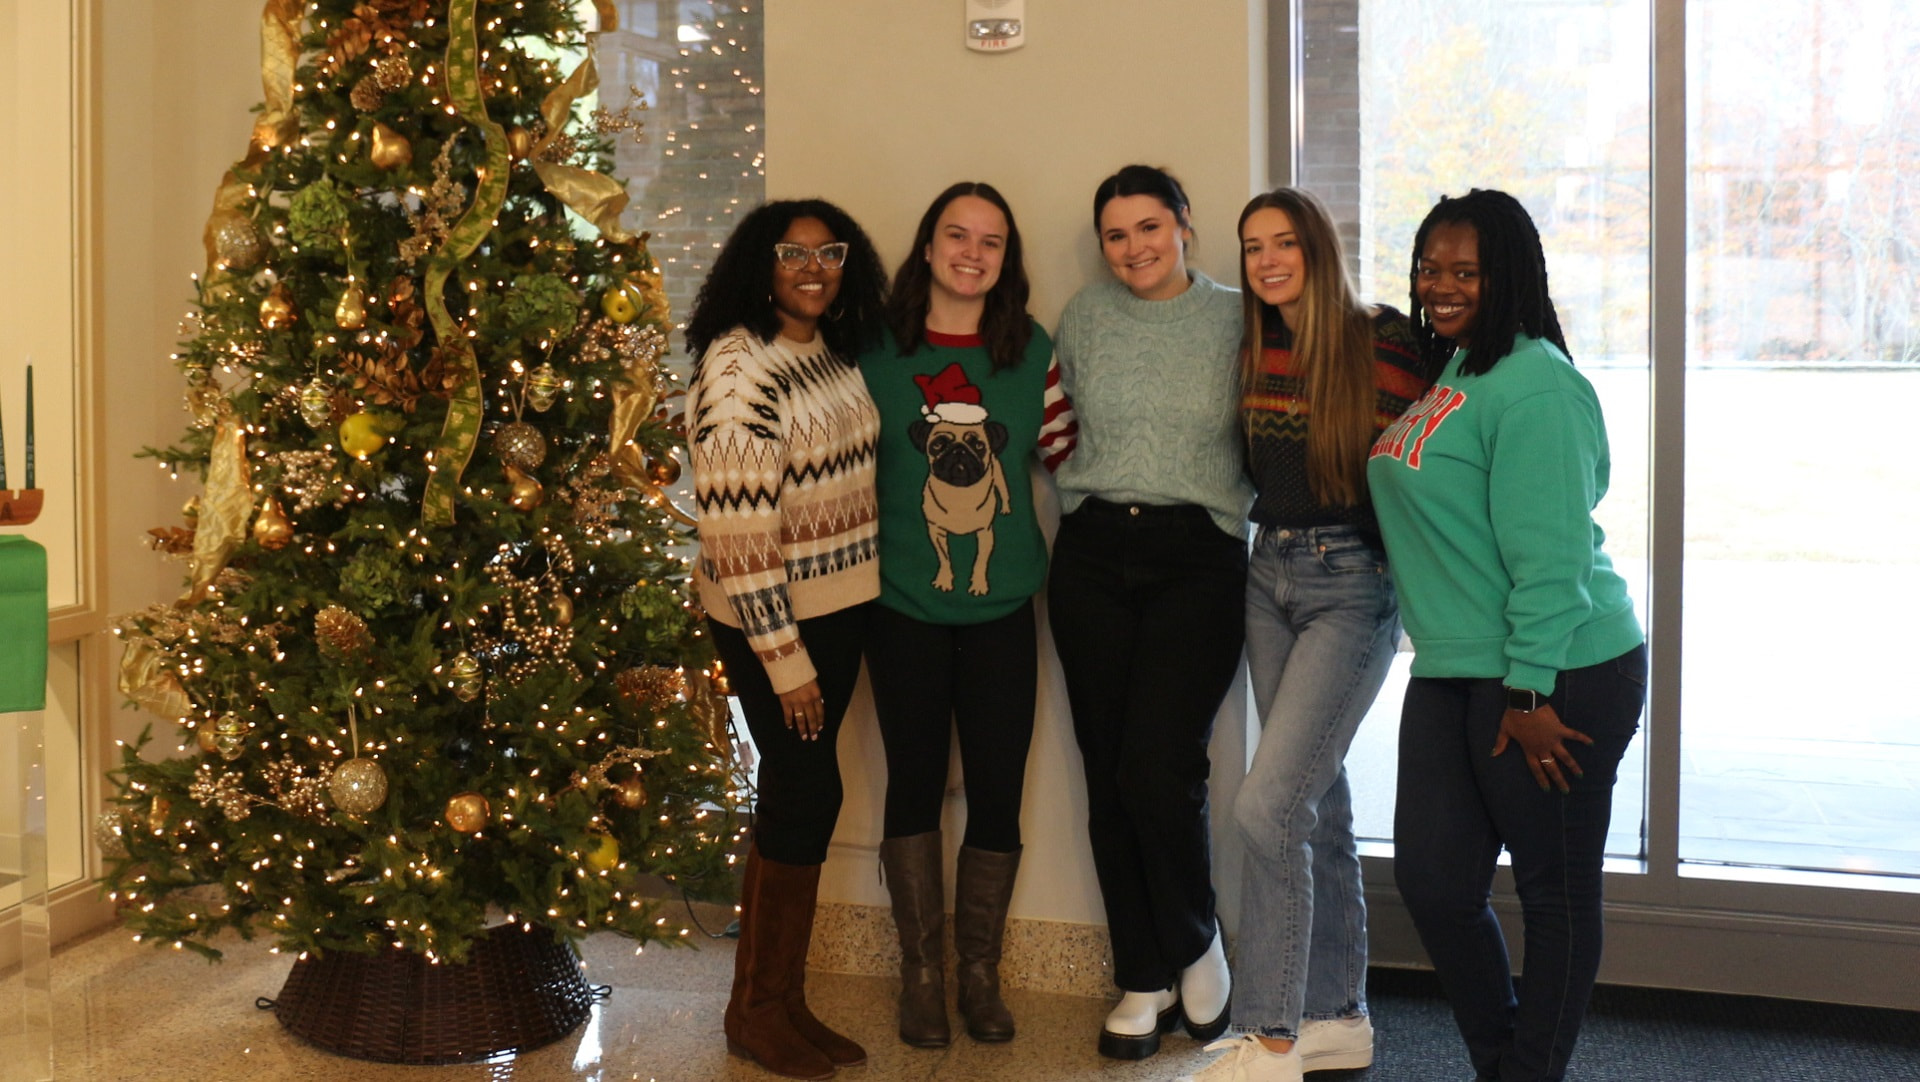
x=801, y=297
x=1275, y=263
x=1145, y=245
x=968, y=248
x=1447, y=282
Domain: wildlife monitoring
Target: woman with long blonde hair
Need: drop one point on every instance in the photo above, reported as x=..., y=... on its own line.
x=1322, y=375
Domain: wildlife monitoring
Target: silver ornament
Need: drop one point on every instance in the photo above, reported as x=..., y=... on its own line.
x=316, y=404
x=543, y=387
x=464, y=677
x=520, y=445
x=230, y=735
x=358, y=786
x=109, y=833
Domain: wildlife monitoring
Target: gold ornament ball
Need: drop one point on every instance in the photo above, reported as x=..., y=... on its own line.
x=351, y=313
x=276, y=311
x=467, y=812
x=230, y=735
x=664, y=471
x=631, y=793
x=360, y=435
x=391, y=150
x=358, y=787
x=236, y=243
x=464, y=676
x=526, y=493
x=205, y=738
x=316, y=403
x=272, y=530
x=520, y=445
x=603, y=855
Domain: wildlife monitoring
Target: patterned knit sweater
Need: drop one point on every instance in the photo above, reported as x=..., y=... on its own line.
x=782, y=438
x=1277, y=413
x=1155, y=385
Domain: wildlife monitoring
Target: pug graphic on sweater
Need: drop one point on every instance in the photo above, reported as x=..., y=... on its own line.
x=966, y=486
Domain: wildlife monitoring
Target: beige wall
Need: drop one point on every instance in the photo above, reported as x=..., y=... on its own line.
x=877, y=105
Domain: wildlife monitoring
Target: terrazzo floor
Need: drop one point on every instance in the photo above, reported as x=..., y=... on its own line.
x=123, y=1011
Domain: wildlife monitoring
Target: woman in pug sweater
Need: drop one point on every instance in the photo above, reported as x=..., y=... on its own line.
x=966, y=392
x=1149, y=581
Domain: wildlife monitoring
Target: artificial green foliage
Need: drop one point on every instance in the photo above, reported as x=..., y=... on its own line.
x=576, y=603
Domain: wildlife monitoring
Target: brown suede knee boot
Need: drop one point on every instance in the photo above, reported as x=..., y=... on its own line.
x=776, y=920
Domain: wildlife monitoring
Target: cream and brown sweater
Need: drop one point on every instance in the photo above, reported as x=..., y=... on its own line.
x=782, y=438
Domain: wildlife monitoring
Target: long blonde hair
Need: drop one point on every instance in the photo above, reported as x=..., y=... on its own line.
x=1332, y=350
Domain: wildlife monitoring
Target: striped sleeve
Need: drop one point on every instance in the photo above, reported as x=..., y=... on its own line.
x=1059, y=429
x=738, y=449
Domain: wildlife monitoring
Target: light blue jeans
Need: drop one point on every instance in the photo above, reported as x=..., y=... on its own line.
x=1321, y=626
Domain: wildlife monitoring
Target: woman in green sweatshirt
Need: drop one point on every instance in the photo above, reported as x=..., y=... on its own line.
x=1529, y=668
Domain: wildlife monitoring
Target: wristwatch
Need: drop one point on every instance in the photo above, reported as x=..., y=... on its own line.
x=1525, y=700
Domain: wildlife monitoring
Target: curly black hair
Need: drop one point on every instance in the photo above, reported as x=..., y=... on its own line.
x=1513, y=281
x=738, y=291
x=1005, y=325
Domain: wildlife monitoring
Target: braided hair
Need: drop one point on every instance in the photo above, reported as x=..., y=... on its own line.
x=1513, y=281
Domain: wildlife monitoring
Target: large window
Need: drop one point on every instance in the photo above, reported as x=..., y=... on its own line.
x=1794, y=748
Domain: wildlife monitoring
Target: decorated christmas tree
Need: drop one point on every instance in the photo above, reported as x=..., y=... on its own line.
x=437, y=665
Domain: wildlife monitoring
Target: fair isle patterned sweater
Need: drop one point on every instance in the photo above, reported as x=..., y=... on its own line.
x=781, y=437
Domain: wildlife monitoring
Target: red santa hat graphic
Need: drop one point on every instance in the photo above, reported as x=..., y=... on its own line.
x=950, y=398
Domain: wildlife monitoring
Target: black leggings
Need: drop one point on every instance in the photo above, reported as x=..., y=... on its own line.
x=930, y=680
x=799, y=787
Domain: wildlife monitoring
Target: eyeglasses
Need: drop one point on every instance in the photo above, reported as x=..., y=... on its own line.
x=794, y=256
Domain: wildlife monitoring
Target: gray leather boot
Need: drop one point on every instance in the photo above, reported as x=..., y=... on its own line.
x=983, y=886
x=912, y=866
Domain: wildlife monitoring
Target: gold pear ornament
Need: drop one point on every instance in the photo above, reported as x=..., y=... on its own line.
x=391, y=150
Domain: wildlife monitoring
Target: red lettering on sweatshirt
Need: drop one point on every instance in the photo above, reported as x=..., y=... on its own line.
x=1426, y=415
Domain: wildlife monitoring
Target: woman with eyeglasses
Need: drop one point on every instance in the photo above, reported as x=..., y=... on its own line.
x=1529, y=666
x=1145, y=600
x=781, y=435
x=968, y=395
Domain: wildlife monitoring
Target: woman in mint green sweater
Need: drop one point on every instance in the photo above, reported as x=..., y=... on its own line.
x=1529, y=667
x=1149, y=578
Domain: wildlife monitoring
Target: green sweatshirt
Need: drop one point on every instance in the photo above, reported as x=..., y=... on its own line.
x=1485, y=490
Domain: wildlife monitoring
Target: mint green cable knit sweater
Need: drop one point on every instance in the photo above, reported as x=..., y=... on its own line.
x=1157, y=392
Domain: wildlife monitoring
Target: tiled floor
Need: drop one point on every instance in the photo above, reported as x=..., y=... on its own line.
x=127, y=1012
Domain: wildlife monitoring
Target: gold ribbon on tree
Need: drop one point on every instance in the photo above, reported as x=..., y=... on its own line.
x=147, y=677
x=224, y=507
x=598, y=198
x=277, y=126
x=461, y=433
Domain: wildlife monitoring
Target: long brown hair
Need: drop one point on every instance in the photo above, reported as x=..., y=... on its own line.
x=1332, y=350
x=1005, y=326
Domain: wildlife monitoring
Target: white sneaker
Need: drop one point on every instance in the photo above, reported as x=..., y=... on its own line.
x=1206, y=992
x=1134, y=1026
x=1335, y=1044
x=1247, y=1060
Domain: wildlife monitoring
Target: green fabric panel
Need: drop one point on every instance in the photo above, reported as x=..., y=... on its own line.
x=23, y=624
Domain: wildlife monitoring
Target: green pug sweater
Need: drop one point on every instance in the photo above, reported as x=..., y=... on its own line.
x=1485, y=490
x=959, y=540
